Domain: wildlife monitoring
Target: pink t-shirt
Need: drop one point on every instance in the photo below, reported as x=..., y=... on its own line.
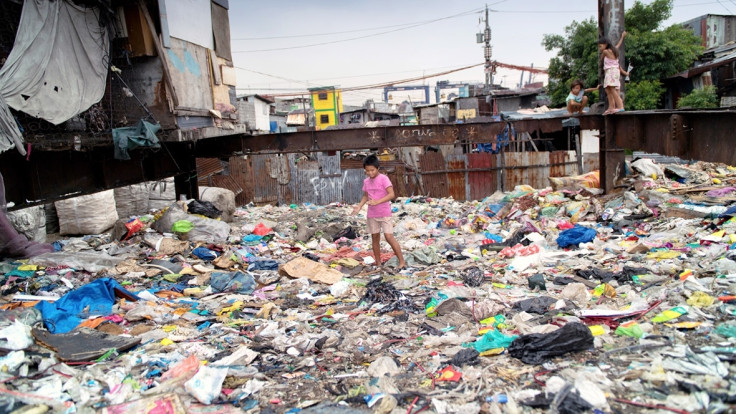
x=376, y=189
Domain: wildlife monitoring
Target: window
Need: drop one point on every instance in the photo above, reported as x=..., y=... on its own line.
x=322, y=96
x=324, y=119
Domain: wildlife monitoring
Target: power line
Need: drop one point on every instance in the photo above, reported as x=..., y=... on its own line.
x=336, y=78
x=359, y=37
x=396, y=82
x=724, y=6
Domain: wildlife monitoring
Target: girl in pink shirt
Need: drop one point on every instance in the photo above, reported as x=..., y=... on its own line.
x=612, y=75
x=378, y=193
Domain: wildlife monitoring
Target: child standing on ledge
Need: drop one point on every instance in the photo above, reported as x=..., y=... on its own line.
x=378, y=193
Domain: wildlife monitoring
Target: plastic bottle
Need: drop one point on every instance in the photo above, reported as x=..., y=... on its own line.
x=499, y=398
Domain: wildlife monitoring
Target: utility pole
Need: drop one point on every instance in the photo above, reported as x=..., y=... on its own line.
x=487, y=53
x=485, y=37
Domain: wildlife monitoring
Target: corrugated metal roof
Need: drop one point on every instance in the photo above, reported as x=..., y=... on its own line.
x=208, y=166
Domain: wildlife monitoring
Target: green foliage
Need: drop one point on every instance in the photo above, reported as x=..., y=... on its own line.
x=657, y=55
x=644, y=95
x=654, y=53
x=577, y=58
x=699, y=98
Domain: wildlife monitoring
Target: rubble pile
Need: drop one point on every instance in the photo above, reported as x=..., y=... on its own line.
x=526, y=301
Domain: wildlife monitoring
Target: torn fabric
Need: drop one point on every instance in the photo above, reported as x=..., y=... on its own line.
x=142, y=134
x=58, y=65
x=10, y=135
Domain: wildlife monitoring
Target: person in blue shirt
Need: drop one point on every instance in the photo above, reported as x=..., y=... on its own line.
x=577, y=100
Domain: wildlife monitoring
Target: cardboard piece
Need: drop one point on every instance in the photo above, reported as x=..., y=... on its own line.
x=314, y=271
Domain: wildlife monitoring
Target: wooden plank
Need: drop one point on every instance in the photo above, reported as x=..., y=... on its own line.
x=435, y=185
x=161, y=53
x=456, y=181
x=188, y=66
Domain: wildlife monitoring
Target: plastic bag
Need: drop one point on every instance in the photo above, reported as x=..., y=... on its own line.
x=204, y=253
x=473, y=276
x=232, y=282
x=539, y=305
x=466, y=356
x=348, y=233
x=261, y=230
x=182, y=227
x=206, y=385
x=492, y=340
x=575, y=236
x=204, y=208
x=536, y=348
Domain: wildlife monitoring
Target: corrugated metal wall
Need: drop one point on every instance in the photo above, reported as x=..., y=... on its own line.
x=320, y=179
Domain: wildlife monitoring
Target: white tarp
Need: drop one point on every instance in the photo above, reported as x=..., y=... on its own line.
x=58, y=65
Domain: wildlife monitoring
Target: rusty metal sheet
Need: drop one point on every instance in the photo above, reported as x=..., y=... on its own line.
x=456, y=180
x=591, y=162
x=536, y=175
x=241, y=173
x=435, y=183
x=287, y=180
x=572, y=167
x=352, y=185
x=226, y=181
x=307, y=174
x=265, y=188
x=514, y=169
x=397, y=175
x=208, y=166
x=482, y=183
x=558, y=157
x=330, y=179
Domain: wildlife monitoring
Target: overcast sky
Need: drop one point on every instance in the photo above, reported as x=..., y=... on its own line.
x=284, y=46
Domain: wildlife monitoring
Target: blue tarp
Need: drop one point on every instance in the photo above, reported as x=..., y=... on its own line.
x=575, y=236
x=95, y=298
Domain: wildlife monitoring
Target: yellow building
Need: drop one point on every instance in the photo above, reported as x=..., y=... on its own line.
x=327, y=105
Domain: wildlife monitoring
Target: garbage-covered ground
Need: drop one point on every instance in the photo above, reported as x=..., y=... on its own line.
x=528, y=301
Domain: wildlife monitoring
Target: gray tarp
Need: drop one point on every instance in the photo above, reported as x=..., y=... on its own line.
x=58, y=65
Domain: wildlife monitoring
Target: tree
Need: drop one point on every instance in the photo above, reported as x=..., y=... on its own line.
x=644, y=94
x=700, y=98
x=654, y=53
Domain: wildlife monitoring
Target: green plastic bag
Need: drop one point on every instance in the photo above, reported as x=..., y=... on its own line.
x=182, y=226
x=729, y=331
x=633, y=330
x=492, y=340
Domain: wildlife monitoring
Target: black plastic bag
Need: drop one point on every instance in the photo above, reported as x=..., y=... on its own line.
x=466, y=356
x=536, y=348
x=473, y=276
x=539, y=305
x=347, y=232
x=204, y=208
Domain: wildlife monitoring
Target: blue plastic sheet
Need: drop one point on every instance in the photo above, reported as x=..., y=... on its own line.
x=237, y=282
x=264, y=265
x=575, y=236
x=204, y=253
x=68, y=312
